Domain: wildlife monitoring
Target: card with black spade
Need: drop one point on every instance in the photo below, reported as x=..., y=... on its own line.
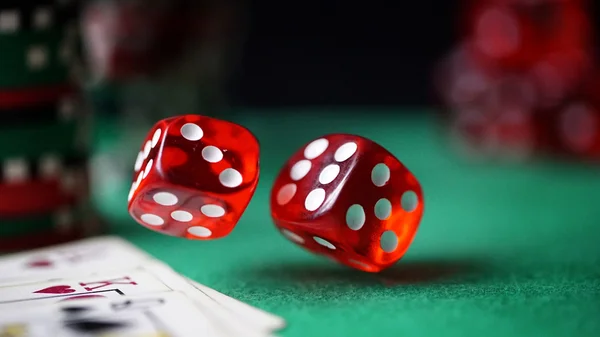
x=149, y=315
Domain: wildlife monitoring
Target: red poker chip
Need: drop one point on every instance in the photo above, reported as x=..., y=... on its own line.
x=34, y=96
x=35, y=197
x=91, y=225
x=38, y=240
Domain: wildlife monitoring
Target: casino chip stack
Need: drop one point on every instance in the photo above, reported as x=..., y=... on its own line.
x=519, y=84
x=44, y=197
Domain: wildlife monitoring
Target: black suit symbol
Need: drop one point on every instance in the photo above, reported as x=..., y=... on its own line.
x=94, y=326
x=75, y=310
x=73, y=321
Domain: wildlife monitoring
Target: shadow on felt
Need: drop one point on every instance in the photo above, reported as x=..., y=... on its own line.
x=403, y=273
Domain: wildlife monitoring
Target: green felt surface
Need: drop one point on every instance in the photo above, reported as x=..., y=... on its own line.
x=502, y=250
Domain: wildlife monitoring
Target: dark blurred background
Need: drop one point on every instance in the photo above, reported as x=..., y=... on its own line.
x=520, y=87
x=345, y=53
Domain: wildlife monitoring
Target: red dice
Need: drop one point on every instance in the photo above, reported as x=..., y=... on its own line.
x=574, y=127
x=499, y=122
x=491, y=113
x=347, y=197
x=194, y=177
x=517, y=34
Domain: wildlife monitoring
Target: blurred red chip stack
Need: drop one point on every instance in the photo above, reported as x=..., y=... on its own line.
x=520, y=65
x=573, y=127
x=44, y=143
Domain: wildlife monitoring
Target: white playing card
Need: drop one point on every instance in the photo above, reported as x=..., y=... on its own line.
x=107, y=285
x=63, y=261
x=99, y=257
x=155, y=277
x=226, y=323
x=165, y=314
x=251, y=315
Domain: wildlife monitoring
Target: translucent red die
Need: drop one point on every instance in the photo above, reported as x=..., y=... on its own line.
x=519, y=33
x=573, y=128
x=194, y=177
x=349, y=198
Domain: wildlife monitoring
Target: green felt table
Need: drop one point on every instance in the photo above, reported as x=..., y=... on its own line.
x=502, y=250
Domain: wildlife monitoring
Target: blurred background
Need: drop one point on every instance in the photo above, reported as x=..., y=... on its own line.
x=82, y=82
x=350, y=53
x=344, y=53
x=494, y=105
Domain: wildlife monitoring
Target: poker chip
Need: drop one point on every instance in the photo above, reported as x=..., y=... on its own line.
x=35, y=59
x=39, y=42
x=35, y=140
x=29, y=3
x=37, y=186
x=62, y=221
x=37, y=240
x=18, y=16
x=44, y=180
x=68, y=108
x=60, y=224
x=36, y=95
x=55, y=228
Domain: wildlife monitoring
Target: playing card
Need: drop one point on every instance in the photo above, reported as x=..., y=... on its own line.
x=107, y=285
x=78, y=258
x=154, y=277
x=160, y=315
x=249, y=314
x=108, y=255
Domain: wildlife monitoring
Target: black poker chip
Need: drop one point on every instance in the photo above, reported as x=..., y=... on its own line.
x=67, y=108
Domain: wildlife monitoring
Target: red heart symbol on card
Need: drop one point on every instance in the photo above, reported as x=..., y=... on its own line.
x=56, y=290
